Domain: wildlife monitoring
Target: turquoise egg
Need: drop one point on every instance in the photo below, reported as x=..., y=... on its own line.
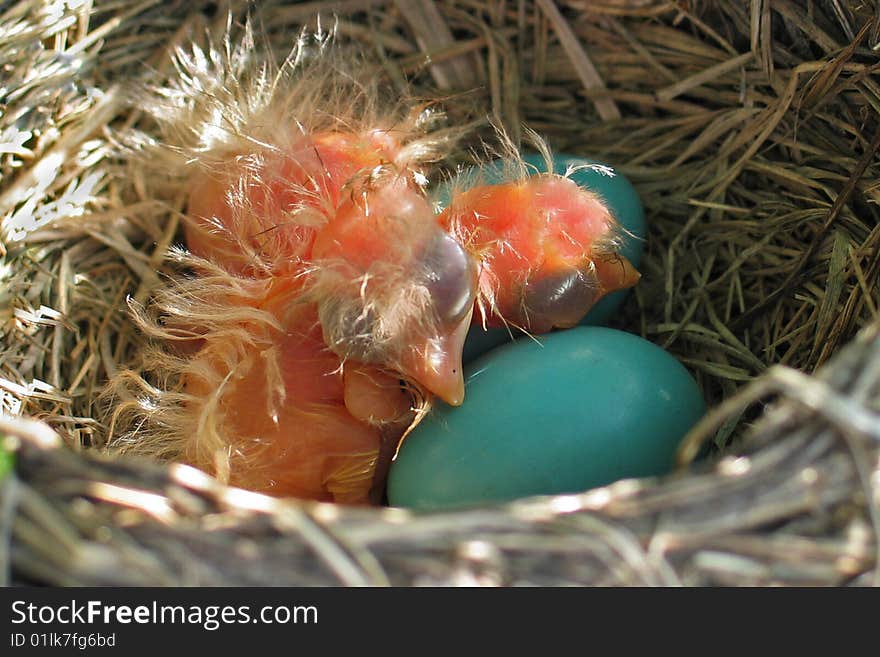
x=620, y=197
x=584, y=408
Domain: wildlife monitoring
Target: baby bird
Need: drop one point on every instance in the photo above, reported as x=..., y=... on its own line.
x=548, y=251
x=328, y=303
x=363, y=288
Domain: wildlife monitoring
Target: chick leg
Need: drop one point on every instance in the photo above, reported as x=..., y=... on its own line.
x=376, y=397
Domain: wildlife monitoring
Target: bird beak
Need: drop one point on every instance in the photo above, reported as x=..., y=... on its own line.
x=437, y=365
x=561, y=298
x=615, y=273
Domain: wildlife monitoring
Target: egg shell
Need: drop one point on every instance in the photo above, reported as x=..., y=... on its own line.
x=620, y=197
x=585, y=408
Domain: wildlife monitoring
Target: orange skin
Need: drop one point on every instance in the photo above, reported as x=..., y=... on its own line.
x=323, y=439
x=324, y=432
x=527, y=232
x=323, y=164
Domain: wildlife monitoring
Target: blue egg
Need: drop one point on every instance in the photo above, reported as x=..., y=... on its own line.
x=585, y=408
x=620, y=197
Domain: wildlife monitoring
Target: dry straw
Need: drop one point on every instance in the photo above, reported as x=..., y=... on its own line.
x=751, y=132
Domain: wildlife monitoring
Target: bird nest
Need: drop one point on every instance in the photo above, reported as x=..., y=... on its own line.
x=750, y=131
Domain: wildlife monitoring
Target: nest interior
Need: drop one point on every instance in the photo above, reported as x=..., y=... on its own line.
x=750, y=131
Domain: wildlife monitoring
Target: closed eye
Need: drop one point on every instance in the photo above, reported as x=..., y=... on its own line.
x=450, y=276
